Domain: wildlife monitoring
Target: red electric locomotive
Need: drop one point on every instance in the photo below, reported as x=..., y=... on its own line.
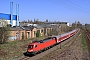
x=37, y=46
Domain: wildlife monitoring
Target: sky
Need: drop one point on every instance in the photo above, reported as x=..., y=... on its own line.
x=53, y=10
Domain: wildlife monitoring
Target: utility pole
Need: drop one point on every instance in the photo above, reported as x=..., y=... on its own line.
x=60, y=42
x=60, y=37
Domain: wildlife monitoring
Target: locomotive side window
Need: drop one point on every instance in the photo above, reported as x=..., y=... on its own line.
x=53, y=37
x=35, y=46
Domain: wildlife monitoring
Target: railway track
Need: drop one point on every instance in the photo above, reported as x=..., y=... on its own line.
x=87, y=37
x=40, y=55
x=65, y=50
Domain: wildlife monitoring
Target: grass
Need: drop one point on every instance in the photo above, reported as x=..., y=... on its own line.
x=15, y=49
x=84, y=44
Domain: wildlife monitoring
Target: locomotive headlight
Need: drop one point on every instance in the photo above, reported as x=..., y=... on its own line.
x=31, y=50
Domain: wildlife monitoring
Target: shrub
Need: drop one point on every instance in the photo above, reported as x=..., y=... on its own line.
x=38, y=34
x=4, y=34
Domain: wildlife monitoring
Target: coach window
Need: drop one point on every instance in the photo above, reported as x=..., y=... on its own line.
x=59, y=38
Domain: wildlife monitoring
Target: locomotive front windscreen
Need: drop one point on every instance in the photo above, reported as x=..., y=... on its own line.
x=30, y=46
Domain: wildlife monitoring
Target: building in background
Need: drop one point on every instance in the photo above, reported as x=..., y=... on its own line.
x=13, y=20
x=19, y=33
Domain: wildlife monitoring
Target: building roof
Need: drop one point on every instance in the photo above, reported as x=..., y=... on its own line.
x=28, y=27
x=22, y=28
x=16, y=28
x=44, y=25
x=38, y=26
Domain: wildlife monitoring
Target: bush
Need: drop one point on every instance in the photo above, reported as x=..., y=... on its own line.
x=22, y=35
x=38, y=34
x=4, y=34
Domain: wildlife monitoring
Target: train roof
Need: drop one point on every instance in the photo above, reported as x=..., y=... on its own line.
x=67, y=33
x=47, y=39
x=71, y=31
x=41, y=41
x=57, y=36
x=63, y=34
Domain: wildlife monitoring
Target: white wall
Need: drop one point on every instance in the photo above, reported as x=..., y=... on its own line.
x=8, y=21
x=67, y=24
x=14, y=23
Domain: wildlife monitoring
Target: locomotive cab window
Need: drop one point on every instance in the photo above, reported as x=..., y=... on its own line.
x=30, y=46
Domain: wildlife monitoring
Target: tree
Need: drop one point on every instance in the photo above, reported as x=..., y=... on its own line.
x=4, y=34
x=73, y=26
x=22, y=35
x=46, y=20
x=87, y=27
x=54, y=31
x=49, y=32
x=79, y=25
x=38, y=34
x=24, y=21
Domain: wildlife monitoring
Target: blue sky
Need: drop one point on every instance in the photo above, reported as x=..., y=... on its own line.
x=53, y=10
